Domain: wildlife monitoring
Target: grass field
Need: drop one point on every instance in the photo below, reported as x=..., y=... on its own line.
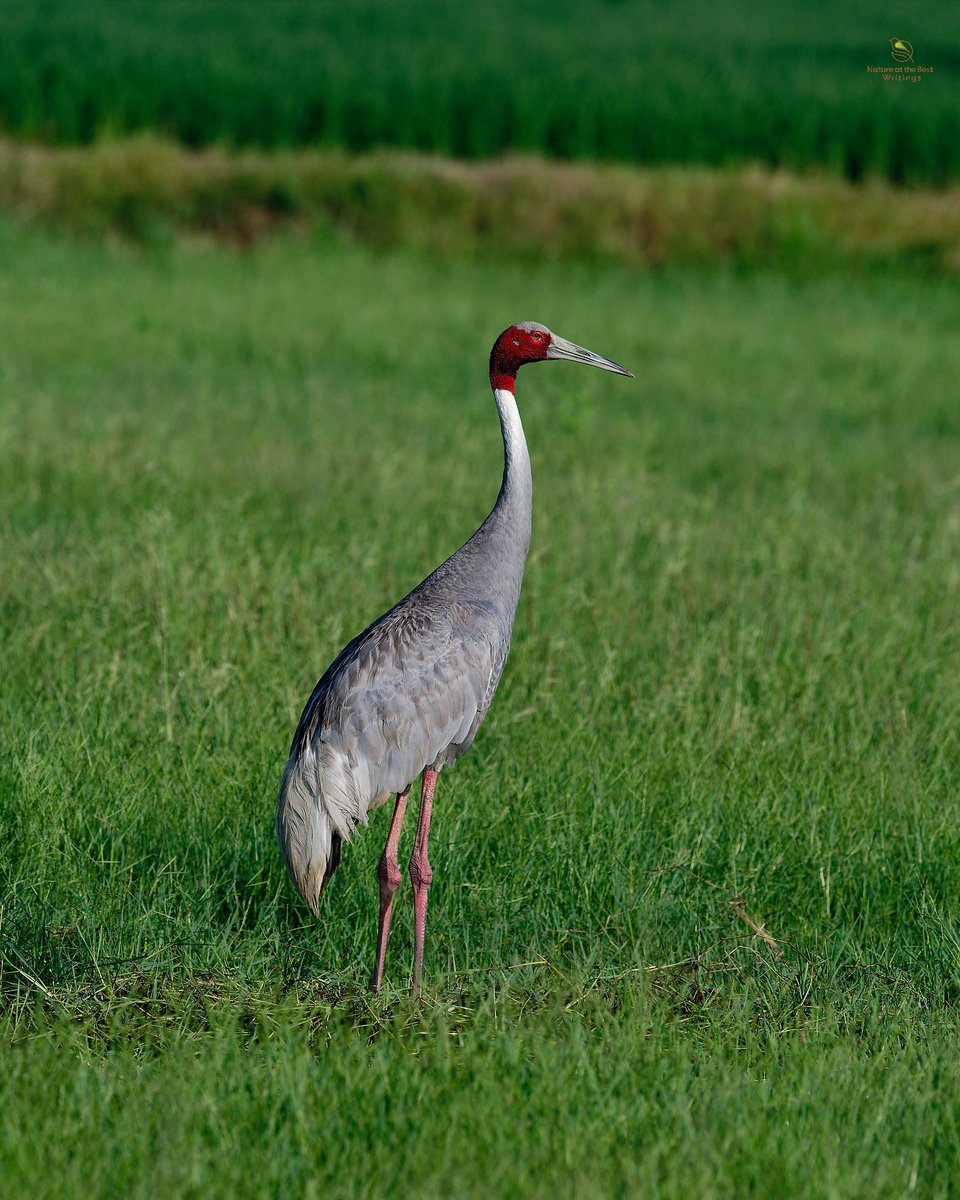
x=632, y=80
x=732, y=704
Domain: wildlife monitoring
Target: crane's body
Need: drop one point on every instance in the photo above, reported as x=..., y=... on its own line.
x=407, y=696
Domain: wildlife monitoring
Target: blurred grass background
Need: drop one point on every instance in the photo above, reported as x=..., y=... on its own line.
x=781, y=84
x=150, y=191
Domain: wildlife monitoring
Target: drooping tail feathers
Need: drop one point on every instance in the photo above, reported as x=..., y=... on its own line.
x=308, y=839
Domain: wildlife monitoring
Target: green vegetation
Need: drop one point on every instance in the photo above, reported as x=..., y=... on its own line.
x=783, y=84
x=150, y=192
x=732, y=704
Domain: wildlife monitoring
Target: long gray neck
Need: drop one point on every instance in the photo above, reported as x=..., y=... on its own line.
x=514, y=506
x=504, y=537
x=490, y=564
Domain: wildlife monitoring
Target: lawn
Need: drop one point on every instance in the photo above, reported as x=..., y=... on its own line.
x=693, y=924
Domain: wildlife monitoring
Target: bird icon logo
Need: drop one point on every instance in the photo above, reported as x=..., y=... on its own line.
x=900, y=50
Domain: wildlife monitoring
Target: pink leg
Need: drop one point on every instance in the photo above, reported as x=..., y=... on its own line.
x=388, y=872
x=420, y=875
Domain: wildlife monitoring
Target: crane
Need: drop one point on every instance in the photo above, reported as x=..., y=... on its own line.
x=408, y=694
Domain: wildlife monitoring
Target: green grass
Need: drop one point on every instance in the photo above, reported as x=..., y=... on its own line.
x=782, y=83
x=733, y=694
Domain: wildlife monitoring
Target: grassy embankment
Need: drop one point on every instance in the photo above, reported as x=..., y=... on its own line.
x=732, y=703
x=150, y=191
x=782, y=84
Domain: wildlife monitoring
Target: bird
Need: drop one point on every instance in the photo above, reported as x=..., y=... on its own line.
x=901, y=51
x=405, y=698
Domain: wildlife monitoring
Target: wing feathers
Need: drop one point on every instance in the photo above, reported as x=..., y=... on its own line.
x=409, y=693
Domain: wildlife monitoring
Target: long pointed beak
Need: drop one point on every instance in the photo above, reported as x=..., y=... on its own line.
x=560, y=348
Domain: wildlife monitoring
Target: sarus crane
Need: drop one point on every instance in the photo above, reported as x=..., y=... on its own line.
x=407, y=696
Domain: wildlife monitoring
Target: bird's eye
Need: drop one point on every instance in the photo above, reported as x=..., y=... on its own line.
x=538, y=337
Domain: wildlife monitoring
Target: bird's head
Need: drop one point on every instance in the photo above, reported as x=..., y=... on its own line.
x=529, y=342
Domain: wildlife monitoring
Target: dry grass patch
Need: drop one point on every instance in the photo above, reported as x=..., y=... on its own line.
x=149, y=190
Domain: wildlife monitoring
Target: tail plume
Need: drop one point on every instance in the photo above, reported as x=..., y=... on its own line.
x=308, y=839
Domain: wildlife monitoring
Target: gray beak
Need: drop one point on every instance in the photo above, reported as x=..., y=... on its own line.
x=560, y=348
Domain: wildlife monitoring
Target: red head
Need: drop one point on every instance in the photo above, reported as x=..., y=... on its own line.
x=523, y=343
x=529, y=342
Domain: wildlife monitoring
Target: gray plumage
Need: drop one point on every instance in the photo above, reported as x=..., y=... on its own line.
x=411, y=691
